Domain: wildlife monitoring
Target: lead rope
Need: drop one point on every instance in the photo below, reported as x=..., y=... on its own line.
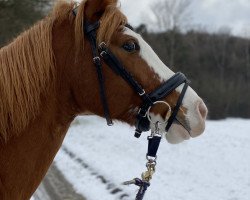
x=153, y=145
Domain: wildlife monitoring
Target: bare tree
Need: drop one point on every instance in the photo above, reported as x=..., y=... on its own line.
x=219, y=46
x=171, y=14
x=246, y=32
x=16, y=15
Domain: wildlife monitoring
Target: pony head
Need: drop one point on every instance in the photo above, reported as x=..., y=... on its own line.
x=72, y=49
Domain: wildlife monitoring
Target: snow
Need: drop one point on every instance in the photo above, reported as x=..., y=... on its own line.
x=96, y=159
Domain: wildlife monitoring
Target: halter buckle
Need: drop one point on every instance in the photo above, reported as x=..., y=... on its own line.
x=140, y=113
x=103, y=54
x=142, y=93
x=97, y=60
x=102, y=46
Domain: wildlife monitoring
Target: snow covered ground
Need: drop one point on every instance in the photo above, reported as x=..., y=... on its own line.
x=96, y=159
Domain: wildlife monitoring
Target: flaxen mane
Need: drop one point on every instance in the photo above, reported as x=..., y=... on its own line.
x=27, y=65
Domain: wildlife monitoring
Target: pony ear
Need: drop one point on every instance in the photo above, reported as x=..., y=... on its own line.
x=95, y=8
x=89, y=11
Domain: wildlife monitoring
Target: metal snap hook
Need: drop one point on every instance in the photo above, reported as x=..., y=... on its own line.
x=167, y=116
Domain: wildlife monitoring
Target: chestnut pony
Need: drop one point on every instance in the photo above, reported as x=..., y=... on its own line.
x=47, y=78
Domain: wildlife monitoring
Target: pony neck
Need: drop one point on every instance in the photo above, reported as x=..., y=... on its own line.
x=26, y=158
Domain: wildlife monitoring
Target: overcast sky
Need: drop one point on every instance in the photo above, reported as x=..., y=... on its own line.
x=211, y=14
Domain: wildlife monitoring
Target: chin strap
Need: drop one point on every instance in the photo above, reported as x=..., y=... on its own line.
x=177, y=107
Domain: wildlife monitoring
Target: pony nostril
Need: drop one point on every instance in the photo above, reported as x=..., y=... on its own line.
x=202, y=110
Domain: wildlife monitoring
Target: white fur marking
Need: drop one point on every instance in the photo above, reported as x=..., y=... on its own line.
x=150, y=57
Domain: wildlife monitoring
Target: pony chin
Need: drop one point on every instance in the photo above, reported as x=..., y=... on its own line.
x=177, y=134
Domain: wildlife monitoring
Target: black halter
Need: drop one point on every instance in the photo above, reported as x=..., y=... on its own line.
x=142, y=122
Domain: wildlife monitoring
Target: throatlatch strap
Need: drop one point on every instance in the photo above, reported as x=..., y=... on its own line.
x=90, y=31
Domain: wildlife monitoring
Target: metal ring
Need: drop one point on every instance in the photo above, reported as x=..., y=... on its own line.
x=168, y=113
x=151, y=159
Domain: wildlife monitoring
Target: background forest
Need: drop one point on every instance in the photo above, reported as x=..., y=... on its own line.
x=218, y=64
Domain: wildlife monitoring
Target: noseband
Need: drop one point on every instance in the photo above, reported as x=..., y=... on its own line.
x=148, y=99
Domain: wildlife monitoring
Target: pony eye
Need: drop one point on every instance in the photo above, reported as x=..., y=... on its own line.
x=130, y=46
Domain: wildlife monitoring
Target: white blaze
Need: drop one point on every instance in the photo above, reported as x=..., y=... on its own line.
x=151, y=58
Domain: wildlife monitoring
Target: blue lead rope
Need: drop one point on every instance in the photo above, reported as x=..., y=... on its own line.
x=144, y=183
x=143, y=188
